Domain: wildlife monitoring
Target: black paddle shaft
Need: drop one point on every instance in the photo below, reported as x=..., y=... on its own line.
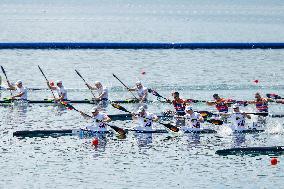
x=85, y=82
x=4, y=72
x=46, y=80
x=125, y=86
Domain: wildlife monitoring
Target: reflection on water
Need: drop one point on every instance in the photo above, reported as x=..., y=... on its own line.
x=15, y=114
x=144, y=140
x=239, y=139
x=193, y=138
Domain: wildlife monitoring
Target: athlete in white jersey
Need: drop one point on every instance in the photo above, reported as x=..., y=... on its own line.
x=141, y=91
x=145, y=119
x=61, y=91
x=238, y=118
x=193, y=119
x=103, y=91
x=22, y=93
x=99, y=120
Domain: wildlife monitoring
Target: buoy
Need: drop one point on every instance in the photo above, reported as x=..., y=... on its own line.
x=143, y=72
x=256, y=81
x=274, y=161
x=95, y=142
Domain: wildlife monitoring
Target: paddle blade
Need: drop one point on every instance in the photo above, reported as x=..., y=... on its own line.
x=170, y=127
x=67, y=105
x=242, y=103
x=277, y=115
x=215, y=121
x=119, y=107
x=114, y=76
x=7, y=99
x=192, y=101
x=155, y=93
x=118, y=130
x=264, y=114
x=205, y=113
x=273, y=96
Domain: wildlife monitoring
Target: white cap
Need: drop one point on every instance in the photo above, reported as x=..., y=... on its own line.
x=138, y=83
x=97, y=82
x=59, y=81
x=94, y=109
x=141, y=109
x=187, y=108
x=19, y=82
x=235, y=106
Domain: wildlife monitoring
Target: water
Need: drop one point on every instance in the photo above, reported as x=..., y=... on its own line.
x=142, y=21
x=157, y=161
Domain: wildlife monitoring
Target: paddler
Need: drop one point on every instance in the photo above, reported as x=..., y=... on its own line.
x=237, y=117
x=102, y=91
x=22, y=92
x=99, y=119
x=192, y=119
x=261, y=104
x=141, y=91
x=61, y=91
x=179, y=104
x=145, y=119
x=221, y=104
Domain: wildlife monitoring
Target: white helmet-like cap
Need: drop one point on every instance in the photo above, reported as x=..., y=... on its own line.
x=187, y=108
x=138, y=83
x=19, y=82
x=94, y=109
x=97, y=82
x=141, y=109
x=235, y=106
x=59, y=81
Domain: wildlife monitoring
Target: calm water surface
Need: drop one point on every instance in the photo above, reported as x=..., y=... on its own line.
x=155, y=161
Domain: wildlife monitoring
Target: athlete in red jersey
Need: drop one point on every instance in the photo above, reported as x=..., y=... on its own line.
x=221, y=104
x=261, y=104
x=179, y=104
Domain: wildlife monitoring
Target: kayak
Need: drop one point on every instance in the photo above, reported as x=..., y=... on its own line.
x=273, y=150
x=85, y=101
x=66, y=132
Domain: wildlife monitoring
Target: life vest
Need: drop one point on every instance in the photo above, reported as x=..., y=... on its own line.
x=179, y=106
x=262, y=105
x=221, y=105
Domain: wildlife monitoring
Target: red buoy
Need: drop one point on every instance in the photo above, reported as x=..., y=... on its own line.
x=256, y=81
x=273, y=161
x=95, y=142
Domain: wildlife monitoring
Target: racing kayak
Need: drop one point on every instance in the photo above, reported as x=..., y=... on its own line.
x=85, y=101
x=273, y=150
x=82, y=132
x=63, y=132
